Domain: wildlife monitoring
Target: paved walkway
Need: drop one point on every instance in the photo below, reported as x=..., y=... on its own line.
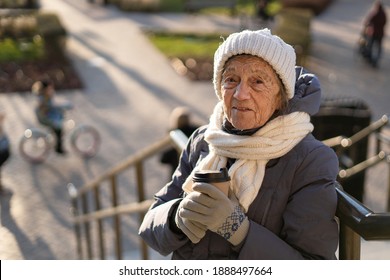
x=127, y=84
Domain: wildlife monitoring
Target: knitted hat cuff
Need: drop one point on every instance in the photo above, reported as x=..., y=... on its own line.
x=280, y=55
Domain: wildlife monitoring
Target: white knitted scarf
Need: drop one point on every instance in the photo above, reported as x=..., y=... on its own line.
x=252, y=152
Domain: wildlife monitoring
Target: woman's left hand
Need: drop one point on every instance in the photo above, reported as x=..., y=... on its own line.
x=218, y=213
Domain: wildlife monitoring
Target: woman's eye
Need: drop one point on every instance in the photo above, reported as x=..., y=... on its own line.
x=258, y=82
x=229, y=79
x=229, y=82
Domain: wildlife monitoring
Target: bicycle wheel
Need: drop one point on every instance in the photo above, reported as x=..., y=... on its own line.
x=85, y=140
x=35, y=145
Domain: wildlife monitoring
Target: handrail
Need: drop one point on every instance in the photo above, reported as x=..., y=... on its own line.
x=362, y=166
x=128, y=208
x=80, y=202
x=179, y=139
x=355, y=219
x=139, y=156
x=175, y=137
x=346, y=142
x=365, y=132
x=369, y=225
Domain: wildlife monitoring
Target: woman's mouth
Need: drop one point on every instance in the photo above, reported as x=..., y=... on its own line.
x=241, y=109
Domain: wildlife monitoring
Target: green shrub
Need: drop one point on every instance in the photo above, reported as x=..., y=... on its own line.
x=24, y=34
x=18, y=26
x=139, y=5
x=15, y=4
x=49, y=25
x=171, y=5
x=9, y=50
x=18, y=50
x=23, y=24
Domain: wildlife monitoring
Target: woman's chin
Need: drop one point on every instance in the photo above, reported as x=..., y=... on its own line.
x=242, y=125
x=242, y=120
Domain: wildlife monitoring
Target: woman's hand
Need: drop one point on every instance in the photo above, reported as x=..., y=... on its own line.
x=192, y=229
x=217, y=212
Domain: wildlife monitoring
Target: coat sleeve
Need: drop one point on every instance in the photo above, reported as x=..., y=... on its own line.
x=155, y=228
x=309, y=229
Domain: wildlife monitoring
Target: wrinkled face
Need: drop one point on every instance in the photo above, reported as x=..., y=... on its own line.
x=250, y=91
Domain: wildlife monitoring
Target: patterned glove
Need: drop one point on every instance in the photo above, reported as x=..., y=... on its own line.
x=193, y=230
x=220, y=214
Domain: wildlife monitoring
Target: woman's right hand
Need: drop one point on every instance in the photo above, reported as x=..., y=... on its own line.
x=193, y=230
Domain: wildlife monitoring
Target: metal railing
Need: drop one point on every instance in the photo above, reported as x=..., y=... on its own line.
x=83, y=217
x=340, y=144
x=355, y=219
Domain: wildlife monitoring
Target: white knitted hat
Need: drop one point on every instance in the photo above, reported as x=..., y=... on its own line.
x=261, y=43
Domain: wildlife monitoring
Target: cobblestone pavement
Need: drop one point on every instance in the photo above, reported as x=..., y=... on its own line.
x=127, y=84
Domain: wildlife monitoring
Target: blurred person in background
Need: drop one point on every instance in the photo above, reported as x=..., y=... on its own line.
x=180, y=118
x=48, y=112
x=374, y=31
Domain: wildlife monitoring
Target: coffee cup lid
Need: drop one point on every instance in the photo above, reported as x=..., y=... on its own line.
x=207, y=176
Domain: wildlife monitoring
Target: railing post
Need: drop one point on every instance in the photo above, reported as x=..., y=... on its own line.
x=99, y=223
x=141, y=197
x=118, y=237
x=349, y=244
x=388, y=182
x=84, y=202
x=75, y=211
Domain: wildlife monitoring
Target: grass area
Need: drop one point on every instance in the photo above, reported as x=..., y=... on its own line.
x=293, y=27
x=199, y=46
x=178, y=6
x=186, y=45
x=32, y=48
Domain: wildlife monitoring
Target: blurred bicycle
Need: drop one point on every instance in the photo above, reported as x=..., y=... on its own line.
x=37, y=143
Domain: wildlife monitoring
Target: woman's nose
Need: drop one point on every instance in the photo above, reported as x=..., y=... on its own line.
x=242, y=92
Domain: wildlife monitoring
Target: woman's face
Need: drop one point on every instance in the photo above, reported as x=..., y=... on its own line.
x=250, y=91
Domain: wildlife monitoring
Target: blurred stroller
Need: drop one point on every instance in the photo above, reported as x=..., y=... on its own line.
x=363, y=49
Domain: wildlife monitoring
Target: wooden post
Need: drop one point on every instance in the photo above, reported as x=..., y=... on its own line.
x=141, y=197
x=99, y=224
x=118, y=237
x=85, y=208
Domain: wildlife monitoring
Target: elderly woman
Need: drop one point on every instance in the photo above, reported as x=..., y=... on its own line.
x=282, y=201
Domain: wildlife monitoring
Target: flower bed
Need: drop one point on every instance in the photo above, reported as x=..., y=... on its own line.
x=33, y=48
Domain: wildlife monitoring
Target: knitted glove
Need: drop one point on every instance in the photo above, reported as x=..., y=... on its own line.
x=193, y=230
x=217, y=212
